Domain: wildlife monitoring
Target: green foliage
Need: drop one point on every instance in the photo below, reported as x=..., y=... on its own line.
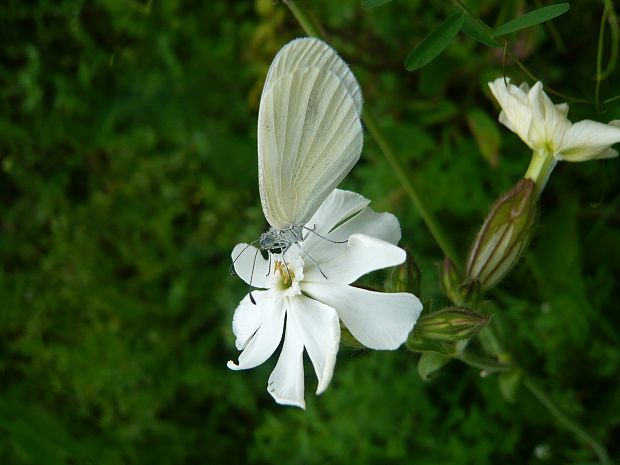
x=128, y=173
x=435, y=43
x=532, y=18
x=370, y=4
x=478, y=30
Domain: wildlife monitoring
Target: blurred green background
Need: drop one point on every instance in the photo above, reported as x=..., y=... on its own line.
x=128, y=173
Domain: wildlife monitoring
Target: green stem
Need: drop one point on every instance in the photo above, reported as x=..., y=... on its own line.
x=614, y=32
x=599, y=61
x=566, y=422
x=471, y=14
x=373, y=128
x=540, y=168
x=562, y=419
x=427, y=216
x=304, y=21
x=555, y=35
x=486, y=364
x=530, y=75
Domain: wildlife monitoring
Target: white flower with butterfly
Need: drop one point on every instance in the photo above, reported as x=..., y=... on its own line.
x=308, y=292
x=320, y=240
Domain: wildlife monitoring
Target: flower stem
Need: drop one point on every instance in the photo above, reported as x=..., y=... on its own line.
x=427, y=216
x=486, y=364
x=566, y=422
x=302, y=18
x=429, y=219
x=540, y=168
x=563, y=420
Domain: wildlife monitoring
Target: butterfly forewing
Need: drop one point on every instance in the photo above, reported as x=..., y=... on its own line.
x=309, y=138
x=310, y=52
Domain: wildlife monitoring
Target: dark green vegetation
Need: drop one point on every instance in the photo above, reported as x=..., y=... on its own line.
x=128, y=173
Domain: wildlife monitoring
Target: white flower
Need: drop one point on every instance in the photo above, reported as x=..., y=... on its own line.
x=298, y=295
x=543, y=126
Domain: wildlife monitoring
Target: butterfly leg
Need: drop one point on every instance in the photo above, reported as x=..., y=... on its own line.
x=283, y=251
x=269, y=267
x=252, y=277
x=231, y=268
x=312, y=230
x=313, y=260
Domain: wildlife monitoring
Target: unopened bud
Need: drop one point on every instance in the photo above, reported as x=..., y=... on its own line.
x=445, y=331
x=504, y=235
x=451, y=324
x=471, y=293
x=405, y=277
x=450, y=281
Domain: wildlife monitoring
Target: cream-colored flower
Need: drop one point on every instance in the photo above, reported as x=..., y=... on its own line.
x=543, y=126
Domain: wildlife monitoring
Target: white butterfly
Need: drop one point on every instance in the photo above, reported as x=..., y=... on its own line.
x=309, y=136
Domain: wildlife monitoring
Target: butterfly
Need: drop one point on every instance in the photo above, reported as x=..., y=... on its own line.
x=309, y=137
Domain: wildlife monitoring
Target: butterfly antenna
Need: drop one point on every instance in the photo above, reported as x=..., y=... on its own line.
x=252, y=277
x=313, y=260
x=312, y=230
x=231, y=268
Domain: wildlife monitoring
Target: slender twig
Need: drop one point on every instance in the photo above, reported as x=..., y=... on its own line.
x=529, y=74
x=431, y=222
x=555, y=35
x=567, y=422
x=302, y=18
x=614, y=32
x=611, y=99
x=373, y=128
x=563, y=420
x=470, y=13
x=599, y=61
x=487, y=364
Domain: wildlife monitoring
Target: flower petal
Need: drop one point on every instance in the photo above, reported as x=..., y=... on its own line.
x=337, y=207
x=516, y=114
x=378, y=320
x=380, y=225
x=589, y=140
x=250, y=265
x=319, y=328
x=562, y=108
x=554, y=123
x=286, y=382
x=248, y=317
x=267, y=337
x=361, y=255
x=537, y=135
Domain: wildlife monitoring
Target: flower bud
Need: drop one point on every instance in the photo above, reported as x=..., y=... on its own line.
x=443, y=331
x=504, y=235
x=450, y=281
x=451, y=324
x=471, y=293
x=405, y=277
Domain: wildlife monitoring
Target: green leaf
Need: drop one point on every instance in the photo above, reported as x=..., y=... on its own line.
x=435, y=43
x=370, y=4
x=486, y=134
x=532, y=18
x=479, y=31
x=509, y=382
x=430, y=363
